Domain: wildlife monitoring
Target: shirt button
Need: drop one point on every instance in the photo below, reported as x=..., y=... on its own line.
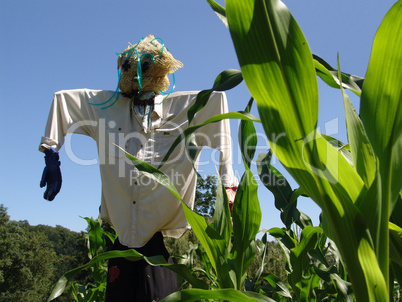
x=134, y=202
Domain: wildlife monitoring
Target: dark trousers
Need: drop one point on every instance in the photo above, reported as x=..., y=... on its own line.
x=137, y=280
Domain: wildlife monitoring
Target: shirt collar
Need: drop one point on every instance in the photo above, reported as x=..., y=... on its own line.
x=148, y=120
x=158, y=109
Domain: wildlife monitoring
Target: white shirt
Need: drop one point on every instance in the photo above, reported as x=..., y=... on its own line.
x=136, y=206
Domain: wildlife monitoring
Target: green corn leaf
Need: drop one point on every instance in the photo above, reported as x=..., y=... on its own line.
x=320, y=264
x=222, y=227
x=226, y=80
x=222, y=223
x=395, y=246
x=153, y=173
x=216, y=118
x=304, y=220
x=219, y=10
x=382, y=100
x=262, y=248
x=286, y=241
x=192, y=149
x=247, y=137
x=282, y=234
x=95, y=237
x=372, y=273
x=330, y=76
x=307, y=287
x=380, y=111
x=341, y=147
x=279, y=71
x=395, y=230
x=396, y=216
x=362, y=153
x=344, y=288
x=397, y=270
x=246, y=223
x=277, y=286
x=330, y=274
x=112, y=237
x=232, y=295
x=364, y=162
x=395, y=250
x=300, y=260
x=292, y=134
x=308, y=240
x=280, y=188
x=200, y=102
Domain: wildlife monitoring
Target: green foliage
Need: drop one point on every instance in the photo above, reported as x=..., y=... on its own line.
x=99, y=236
x=33, y=257
x=4, y=217
x=358, y=192
x=69, y=247
x=187, y=250
x=26, y=263
x=205, y=196
x=269, y=263
x=315, y=271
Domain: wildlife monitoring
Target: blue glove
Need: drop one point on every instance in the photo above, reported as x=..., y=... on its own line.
x=51, y=175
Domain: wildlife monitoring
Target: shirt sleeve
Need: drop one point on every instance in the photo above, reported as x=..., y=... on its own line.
x=217, y=135
x=69, y=113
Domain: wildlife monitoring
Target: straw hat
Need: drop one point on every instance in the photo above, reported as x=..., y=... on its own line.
x=156, y=63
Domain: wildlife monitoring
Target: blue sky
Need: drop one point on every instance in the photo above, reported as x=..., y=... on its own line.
x=51, y=45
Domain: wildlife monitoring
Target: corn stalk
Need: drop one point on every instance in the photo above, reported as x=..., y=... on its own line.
x=356, y=200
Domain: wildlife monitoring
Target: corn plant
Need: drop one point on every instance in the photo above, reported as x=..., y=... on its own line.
x=267, y=283
x=315, y=269
x=96, y=239
x=311, y=276
x=357, y=199
x=356, y=186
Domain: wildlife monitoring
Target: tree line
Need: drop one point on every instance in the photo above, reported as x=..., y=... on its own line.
x=34, y=257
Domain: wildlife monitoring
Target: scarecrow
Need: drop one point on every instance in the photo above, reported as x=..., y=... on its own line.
x=142, y=119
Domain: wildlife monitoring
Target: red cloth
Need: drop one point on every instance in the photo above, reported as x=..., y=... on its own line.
x=231, y=192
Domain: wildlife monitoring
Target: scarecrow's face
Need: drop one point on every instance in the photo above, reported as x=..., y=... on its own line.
x=145, y=66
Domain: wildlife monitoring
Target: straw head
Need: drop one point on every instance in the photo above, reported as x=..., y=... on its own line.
x=145, y=66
